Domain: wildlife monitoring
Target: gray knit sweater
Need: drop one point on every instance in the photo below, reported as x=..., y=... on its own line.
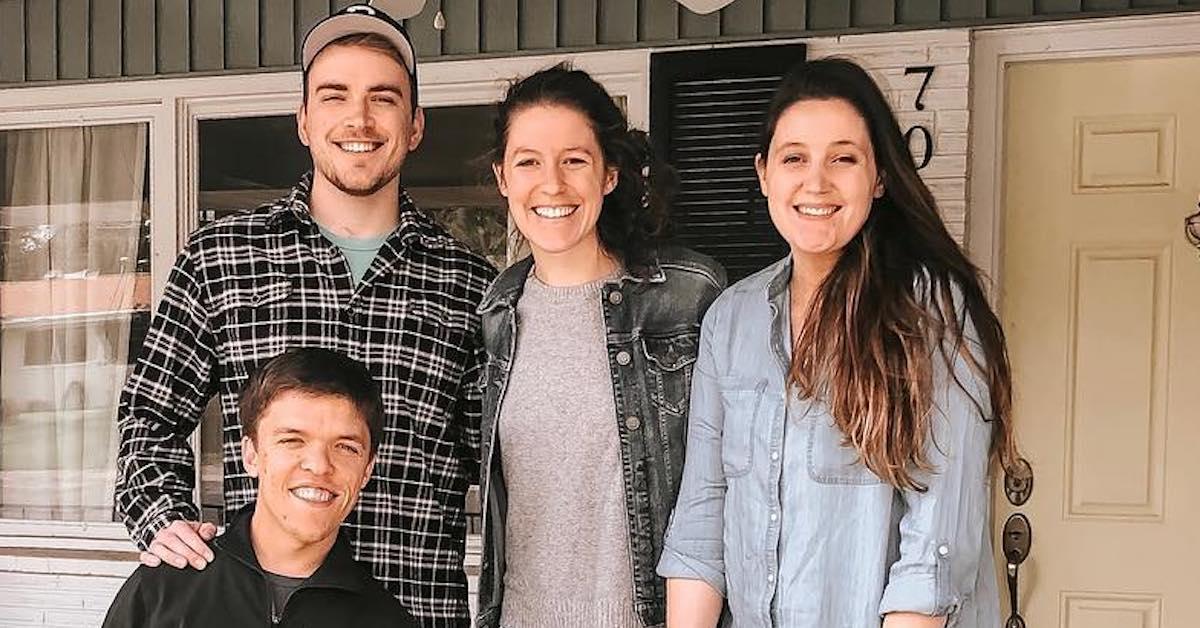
x=567, y=541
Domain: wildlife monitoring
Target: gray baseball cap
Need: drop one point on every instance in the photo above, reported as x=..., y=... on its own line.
x=356, y=19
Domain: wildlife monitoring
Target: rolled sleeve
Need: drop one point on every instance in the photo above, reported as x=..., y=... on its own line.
x=694, y=548
x=944, y=529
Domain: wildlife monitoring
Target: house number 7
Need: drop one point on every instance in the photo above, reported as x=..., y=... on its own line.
x=927, y=70
x=924, y=132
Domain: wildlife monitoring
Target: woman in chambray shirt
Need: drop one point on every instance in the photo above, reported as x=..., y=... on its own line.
x=847, y=401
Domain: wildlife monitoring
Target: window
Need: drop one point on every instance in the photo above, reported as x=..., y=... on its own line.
x=74, y=304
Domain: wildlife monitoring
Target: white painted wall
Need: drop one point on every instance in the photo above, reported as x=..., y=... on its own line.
x=60, y=592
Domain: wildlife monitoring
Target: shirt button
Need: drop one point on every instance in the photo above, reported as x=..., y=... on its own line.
x=632, y=423
x=774, y=516
x=623, y=358
x=615, y=297
x=774, y=455
x=770, y=577
x=943, y=550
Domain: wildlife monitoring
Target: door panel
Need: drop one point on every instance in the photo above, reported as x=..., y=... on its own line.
x=1101, y=303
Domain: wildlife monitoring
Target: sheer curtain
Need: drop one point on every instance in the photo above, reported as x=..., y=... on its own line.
x=72, y=211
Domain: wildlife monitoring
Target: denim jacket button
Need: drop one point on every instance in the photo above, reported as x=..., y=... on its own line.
x=632, y=423
x=615, y=297
x=623, y=358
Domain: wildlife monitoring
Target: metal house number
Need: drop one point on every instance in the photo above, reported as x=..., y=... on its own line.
x=921, y=130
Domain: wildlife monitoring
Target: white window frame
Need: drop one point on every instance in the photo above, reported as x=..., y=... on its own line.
x=174, y=107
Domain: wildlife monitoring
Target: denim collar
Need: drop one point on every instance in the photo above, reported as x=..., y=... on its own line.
x=508, y=286
x=779, y=279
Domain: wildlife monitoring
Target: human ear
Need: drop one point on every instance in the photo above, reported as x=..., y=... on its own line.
x=501, y=184
x=302, y=124
x=610, y=180
x=249, y=456
x=418, y=129
x=760, y=166
x=370, y=471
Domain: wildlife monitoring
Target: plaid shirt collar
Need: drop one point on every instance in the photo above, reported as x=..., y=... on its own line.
x=413, y=224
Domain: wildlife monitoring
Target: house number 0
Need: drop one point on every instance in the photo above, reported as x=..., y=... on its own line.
x=920, y=130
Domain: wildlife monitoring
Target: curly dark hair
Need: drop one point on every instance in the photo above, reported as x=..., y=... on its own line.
x=634, y=217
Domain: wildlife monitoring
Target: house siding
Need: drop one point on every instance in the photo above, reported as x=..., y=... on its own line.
x=43, y=41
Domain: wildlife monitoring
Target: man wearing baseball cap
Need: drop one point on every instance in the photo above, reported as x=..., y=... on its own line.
x=345, y=262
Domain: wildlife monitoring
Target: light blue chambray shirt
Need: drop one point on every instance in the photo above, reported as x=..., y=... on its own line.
x=780, y=518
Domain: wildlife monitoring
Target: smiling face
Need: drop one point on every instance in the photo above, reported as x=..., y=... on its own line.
x=357, y=120
x=312, y=456
x=555, y=179
x=819, y=177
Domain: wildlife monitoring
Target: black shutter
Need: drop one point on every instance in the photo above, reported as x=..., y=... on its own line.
x=706, y=109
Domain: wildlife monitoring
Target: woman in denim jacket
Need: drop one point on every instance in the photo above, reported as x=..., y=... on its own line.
x=848, y=399
x=590, y=343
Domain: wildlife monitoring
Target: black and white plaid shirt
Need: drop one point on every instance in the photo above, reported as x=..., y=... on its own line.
x=250, y=286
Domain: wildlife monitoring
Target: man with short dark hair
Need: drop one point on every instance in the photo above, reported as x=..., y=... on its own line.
x=346, y=262
x=311, y=420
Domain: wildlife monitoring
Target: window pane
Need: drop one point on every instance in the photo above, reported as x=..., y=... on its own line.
x=74, y=307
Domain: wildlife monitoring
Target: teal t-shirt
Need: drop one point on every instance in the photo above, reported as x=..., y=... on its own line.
x=359, y=252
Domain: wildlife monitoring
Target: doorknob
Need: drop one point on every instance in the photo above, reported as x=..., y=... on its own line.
x=1016, y=538
x=1018, y=483
x=1191, y=228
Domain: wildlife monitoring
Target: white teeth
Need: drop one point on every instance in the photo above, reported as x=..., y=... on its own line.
x=554, y=212
x=358, y=147
x=311, y=494
x=809, y=210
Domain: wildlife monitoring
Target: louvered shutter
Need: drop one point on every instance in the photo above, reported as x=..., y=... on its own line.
x=706, y=109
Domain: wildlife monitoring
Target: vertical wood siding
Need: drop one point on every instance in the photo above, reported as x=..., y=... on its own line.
x=60, y=40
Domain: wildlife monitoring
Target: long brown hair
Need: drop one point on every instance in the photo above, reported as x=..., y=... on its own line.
x=891, y=304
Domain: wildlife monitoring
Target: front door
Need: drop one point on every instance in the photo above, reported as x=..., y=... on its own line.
x=1101, y=302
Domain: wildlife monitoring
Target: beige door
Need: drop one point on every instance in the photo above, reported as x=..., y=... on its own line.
x=1101, y=303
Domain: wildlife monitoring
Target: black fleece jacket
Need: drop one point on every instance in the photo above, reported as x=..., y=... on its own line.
x=232, y=591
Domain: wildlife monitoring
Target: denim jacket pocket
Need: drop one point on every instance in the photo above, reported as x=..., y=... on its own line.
x=741, y=401
x=669, y=363
x=830, y=461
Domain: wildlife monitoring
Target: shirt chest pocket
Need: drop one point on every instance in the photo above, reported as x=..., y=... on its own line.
x=251, y=320
x=669, y=363
x=743, y=404
x=832, y=462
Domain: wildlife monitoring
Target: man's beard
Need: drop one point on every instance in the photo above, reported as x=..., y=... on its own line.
x=375, y=185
